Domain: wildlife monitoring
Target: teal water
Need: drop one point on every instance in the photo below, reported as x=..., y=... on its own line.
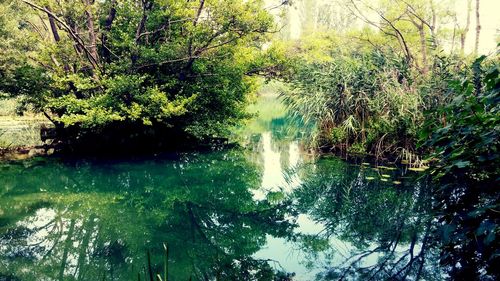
x=265, y=211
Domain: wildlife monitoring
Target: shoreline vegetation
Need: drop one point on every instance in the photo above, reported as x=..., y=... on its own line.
x=366, y=100
x=364, y=92
x=20, y=135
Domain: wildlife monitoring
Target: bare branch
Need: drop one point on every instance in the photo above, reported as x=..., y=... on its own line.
x=75, y=36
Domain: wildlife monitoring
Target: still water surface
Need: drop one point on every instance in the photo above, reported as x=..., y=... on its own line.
x=265, y=211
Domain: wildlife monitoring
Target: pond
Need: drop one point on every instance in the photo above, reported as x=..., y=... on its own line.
x=267, y=210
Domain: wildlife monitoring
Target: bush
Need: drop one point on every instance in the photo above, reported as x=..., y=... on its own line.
x=467, y=148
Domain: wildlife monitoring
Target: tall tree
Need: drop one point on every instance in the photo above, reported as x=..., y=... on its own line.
x=156, y=68
x=91, y=29
x=478, y=28
x=463, y=33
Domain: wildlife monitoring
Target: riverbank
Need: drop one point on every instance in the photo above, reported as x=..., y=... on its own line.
x=22, y=138
x=25, y=152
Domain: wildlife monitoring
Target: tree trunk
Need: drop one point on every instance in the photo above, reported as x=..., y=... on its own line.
x=53, y=26
x=464, y=32
x=423, y=48
x=478, y=29
x=66, y=249
x=432, y=26
x=57, y=38
x=198, y=12
x=84, y=247
x=147, y=6
x=73, y=26
x=191, y=60
x=106, y=53
x=91, y=29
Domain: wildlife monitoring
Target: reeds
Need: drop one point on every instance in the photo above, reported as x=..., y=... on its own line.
x=150, y=272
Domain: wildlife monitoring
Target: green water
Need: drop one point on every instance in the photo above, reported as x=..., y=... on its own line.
x=264, y=211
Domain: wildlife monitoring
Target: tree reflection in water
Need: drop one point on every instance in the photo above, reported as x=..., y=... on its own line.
x=97, y=220
x=200, y=205
x=372, y=229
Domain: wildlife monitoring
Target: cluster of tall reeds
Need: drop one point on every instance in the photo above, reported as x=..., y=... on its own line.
x=365, y=100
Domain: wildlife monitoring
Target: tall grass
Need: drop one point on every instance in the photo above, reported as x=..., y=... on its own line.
x=150, y=273
x=361, y=100
x=18, y=130
x=8, y=107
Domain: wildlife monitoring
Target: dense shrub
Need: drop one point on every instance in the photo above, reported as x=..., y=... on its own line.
x=467, y=173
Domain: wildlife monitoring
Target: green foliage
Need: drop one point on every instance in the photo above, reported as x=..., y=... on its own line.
x=468, y=143
x=468, y=169
x=172, y=67
x=338, y=135
x=358, y=148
